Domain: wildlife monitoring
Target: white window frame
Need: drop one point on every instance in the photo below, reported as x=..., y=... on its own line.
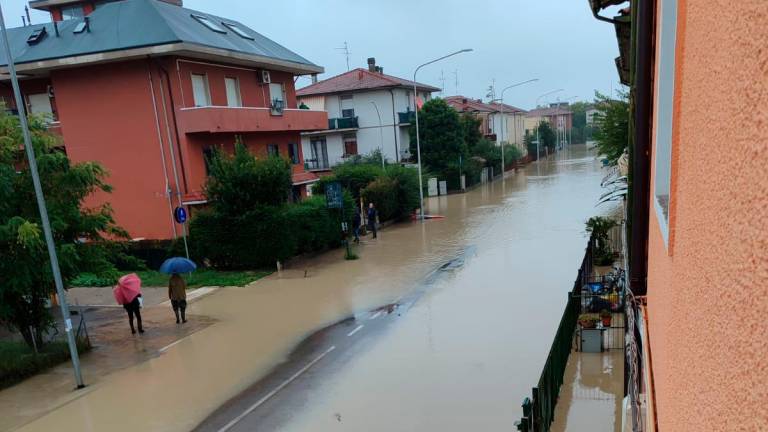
x=664, y=113
x=36, y=101
x=234, y=97
x=206, y=87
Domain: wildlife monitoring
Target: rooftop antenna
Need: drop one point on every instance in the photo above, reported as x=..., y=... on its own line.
x=345, y=49
x=456, y=81
x=23, y=21
x=26, y=10
x=442, y=81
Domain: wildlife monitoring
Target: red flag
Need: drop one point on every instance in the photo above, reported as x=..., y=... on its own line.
x=419, y=103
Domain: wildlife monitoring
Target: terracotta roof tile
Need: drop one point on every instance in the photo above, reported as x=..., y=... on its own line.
x=359, y=79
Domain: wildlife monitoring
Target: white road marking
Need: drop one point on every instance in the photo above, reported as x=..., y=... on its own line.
x=167, y=347
x=269, y=395
x=376, y=315
x=357, y=329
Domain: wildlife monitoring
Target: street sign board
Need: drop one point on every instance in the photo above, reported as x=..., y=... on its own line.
x=334, y=197
x=180, y=215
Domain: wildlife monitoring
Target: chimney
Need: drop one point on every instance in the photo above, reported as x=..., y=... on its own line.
x=372, y=64
x=314, y=78
x=464, y=100
x=380, y=70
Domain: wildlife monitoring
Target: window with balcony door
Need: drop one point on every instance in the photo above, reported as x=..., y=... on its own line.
x=347, y=106
x=200, y=90
x=72, y=12
x=293, y=153
x=664, y=113
x=350, y=145
x=232, y=86
x=40, y=103
x=277, y=97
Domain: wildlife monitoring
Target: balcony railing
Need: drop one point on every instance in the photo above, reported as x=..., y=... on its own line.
x=316, y=165
x=217, y=119
x=343, y=123
x=406, y=117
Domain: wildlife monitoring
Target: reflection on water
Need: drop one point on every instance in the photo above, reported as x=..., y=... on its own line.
x=461, y=359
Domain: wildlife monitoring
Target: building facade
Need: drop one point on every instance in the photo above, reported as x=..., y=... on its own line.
x=499, y=127
x=559, y=117
x=367, y=111
x=151, y=106
x=707, y=233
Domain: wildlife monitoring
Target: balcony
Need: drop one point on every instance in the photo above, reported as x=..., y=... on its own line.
x=342, y=123
x=406, y=117
x=316, y=165
x=214, y=119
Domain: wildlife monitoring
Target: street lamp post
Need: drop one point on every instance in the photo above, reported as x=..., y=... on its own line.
x=538, y=141
x=42, y=207
x=503, y=127
x=418, y=140
x=381, y=135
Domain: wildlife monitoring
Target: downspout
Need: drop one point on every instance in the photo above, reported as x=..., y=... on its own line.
x=162, y=150
x=641, y=155
x=175, y=126
x=394, y=127
x=170, y=147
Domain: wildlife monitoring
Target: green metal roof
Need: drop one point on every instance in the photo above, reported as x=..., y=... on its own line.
x=132, y=24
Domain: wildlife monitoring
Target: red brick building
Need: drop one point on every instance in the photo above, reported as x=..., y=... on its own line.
x=148, y=89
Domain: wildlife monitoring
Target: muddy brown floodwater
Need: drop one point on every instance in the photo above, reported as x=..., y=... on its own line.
x=462, y=358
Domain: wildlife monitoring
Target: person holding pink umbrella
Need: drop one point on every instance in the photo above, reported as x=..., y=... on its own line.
x=128, y=293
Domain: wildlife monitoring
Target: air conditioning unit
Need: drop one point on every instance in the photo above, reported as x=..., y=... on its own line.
x=265, y=78
x=50, y=91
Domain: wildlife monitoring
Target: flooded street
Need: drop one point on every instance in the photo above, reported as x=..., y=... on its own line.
x=460, y=354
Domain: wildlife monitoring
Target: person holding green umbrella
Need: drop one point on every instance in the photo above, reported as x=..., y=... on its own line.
x=177, y=287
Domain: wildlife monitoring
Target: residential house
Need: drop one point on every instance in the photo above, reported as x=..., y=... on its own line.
x=509, y=128
x=559, y=117
x=149, y=88
x=698, y=251
x=591, y=114
x=367, y=109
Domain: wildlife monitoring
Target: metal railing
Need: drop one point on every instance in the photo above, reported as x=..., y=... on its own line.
x=539, y=410
x=316, y=165
x=342, y=123
x=406, y=117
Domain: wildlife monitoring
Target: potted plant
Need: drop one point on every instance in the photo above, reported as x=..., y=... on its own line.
x=599, y=227
x=588, y=320
x=605, y=317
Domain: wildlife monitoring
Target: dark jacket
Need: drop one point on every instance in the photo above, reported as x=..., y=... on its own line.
x=357, y=220
x=371, y=215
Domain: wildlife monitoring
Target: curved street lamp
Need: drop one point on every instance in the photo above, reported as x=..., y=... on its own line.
x=538, y=143
x=503, y=127
x=418, y=141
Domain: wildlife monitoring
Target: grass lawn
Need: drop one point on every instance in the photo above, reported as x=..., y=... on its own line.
x=18, y=361
x=204, y=277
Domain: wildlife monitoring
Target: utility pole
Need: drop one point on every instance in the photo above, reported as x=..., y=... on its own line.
x=41, y=207
x=442, y=83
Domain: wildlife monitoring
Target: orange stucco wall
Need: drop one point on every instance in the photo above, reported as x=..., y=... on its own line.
x=708, y=289
x=107, y=116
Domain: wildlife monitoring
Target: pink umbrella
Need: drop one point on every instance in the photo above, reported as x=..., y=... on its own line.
x=127, y=288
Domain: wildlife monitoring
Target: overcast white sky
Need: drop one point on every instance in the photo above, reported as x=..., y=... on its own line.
x=556, y=41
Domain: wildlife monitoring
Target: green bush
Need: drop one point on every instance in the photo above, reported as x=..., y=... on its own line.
x=352, y=176
x=512, y=154
x=313, y=226
x=395, y=194
x=382, y=192
x=18, y=361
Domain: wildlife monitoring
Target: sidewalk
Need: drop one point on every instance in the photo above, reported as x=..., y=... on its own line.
x=114, y=348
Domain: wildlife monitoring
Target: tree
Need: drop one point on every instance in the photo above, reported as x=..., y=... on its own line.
x=470, y=126
x=25, y=275
x=441, y=135
x=240, y=182
x=579, y=110
x=612, y=126
x=547, y=135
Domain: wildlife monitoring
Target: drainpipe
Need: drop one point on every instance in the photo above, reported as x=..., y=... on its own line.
x=394, y=126
x=641, y=156
x=162, y=150
x=170, y=147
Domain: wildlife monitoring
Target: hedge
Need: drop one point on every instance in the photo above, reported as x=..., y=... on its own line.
x=395, y=194
x=267, y=234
